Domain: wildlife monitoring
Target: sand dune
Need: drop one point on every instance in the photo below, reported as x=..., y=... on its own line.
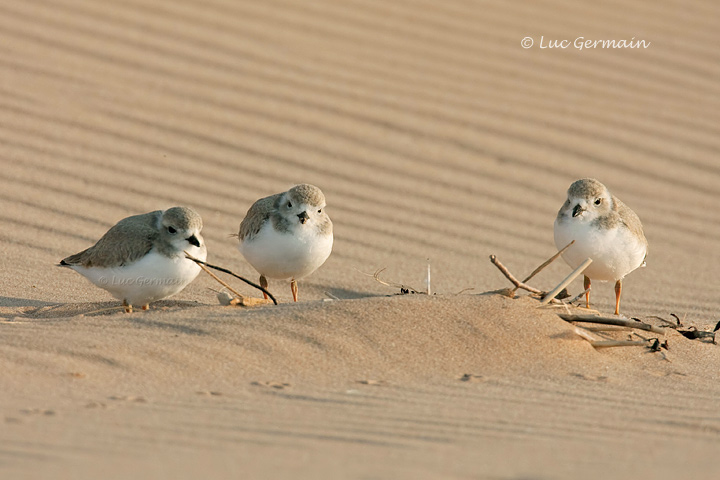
x=434, y=135
x=196, y=384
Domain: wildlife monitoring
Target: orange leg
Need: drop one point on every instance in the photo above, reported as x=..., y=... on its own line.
x=264, y=284
x=128, y=307
x=294, y=289
x=586, y=285
x=618, y=291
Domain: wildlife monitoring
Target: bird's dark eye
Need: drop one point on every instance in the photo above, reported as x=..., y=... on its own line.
x=172, y=231
x=598, y=201
x=320, y=211
x=289, y=205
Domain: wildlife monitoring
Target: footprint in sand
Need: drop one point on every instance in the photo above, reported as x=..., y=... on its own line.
x=276, y=385
x=377, y=383
x=591, y=378
x=128, y=398
x=37, y=411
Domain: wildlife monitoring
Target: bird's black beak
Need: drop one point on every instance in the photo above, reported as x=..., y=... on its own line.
x=303, y=217
x=577, y=210
x=193, y=241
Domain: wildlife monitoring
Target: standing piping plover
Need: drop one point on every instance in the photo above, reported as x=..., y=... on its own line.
x=287, y=235
x=142, y=258
x=604, y=229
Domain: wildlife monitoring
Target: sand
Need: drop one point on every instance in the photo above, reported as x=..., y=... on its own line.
x=434, y=135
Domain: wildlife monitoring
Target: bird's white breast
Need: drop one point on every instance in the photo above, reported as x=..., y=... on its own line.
x=293, y=254
x=615, y=251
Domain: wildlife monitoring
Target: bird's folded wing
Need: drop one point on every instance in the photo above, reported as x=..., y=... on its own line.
x=257, y=215
x=125, y=243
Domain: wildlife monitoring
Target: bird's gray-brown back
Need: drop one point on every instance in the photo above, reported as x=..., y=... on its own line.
x=126, y=242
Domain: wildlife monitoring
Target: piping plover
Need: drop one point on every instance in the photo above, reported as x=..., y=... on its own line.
x=287, y=235
x=604, y=229
x=141, y=259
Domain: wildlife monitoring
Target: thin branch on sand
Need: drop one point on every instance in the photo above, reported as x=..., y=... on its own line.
x=547, y=262
x=546, y=299
x=464, y=290
x=599, y=343
x=428, y=278
x=511, y=277
x=202, y=265
x=523, y=284
x=221, y=282
x=586, y=334
x=609, y=328
x=331, y=296
x=611, y=321
x=577, y=297
x=620, y=343
x=671, y=324
x=403, y=288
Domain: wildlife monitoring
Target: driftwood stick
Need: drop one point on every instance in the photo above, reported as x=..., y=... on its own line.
x=597, y=343
x=672, y=324
x=509, y=276
x=428, y=278
x=221, y=282
x=577, y=297
x=225, y=270
x=547, y=262
x=611, y=321
x=609, y=328
x=582, y=332
x=546, y=299
x=620, y=343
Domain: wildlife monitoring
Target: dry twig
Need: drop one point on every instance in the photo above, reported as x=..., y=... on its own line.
x=509, y=276
x=584, y=333
x=202, y=264
x=598, y=343
x=428, y=278
x=611, y=321
x=546, y=299
x=403, y=288
x=620, y=343
x=221, y=282
x=547, y=262
x=609, y=328
x=577, y=297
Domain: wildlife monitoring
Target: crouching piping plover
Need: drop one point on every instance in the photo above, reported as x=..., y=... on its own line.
x=287, y=235
x=604, y=229
x=142, y=258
